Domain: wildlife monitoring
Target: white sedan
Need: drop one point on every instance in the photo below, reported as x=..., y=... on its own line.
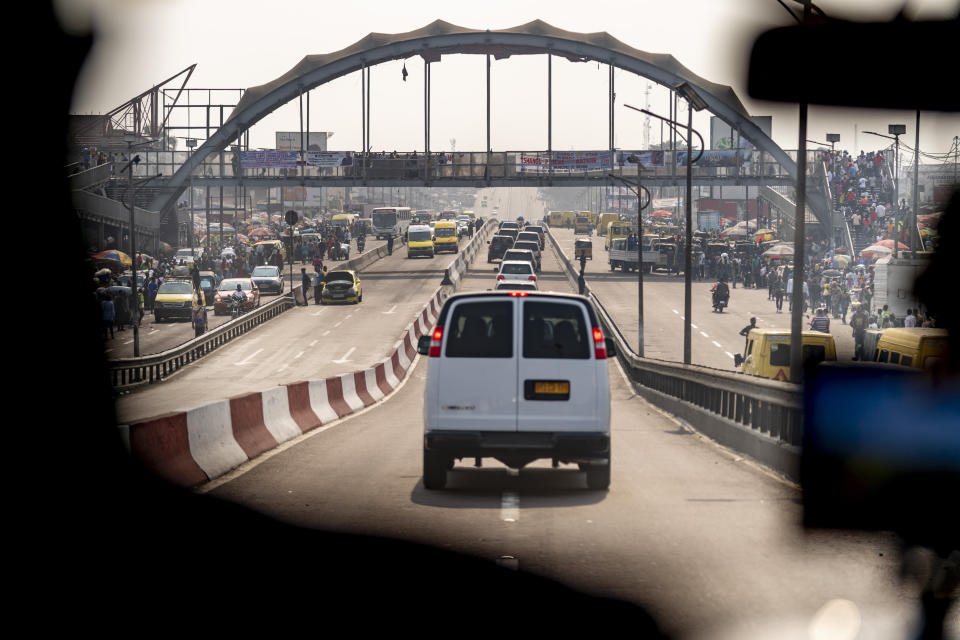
x=516, y=270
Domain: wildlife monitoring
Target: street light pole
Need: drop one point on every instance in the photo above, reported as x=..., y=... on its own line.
x=640, y=207
x=694, y=102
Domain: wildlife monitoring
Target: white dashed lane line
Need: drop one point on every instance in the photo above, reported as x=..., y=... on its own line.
x=719, y=346
x=704, y=334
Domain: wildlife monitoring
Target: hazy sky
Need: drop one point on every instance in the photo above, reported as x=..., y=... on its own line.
x=243, y=43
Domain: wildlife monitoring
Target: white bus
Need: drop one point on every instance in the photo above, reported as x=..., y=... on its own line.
x=390, y=221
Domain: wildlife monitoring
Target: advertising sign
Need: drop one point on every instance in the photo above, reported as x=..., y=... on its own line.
x=565, y=161
x=329, y=158
x=270, y=159
x=713, y=158
x=290, y=140
x=646, y=158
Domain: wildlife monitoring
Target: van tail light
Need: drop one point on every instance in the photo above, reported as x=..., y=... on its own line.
x=519, y=294
x=435, y=340
x=500, y=277
x=599, y=344
x=532, y=278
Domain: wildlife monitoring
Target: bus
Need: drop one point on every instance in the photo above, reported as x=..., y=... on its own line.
x=448, y=214
x=390, y=222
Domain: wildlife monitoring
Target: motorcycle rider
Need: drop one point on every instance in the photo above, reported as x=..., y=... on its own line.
x=239, y=298
x=361, y=242
x=721, y=292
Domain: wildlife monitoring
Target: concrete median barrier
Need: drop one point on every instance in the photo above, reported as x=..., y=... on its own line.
x=189, y=448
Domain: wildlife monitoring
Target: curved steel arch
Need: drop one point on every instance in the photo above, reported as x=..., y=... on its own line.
x=438, y=38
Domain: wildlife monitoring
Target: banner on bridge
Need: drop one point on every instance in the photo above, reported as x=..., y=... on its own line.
x=269, y=159
x=646, y=158
x=564, y=162
x=329, y=158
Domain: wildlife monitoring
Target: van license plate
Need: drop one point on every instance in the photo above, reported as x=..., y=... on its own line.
x=551, y=388
x=546, y=389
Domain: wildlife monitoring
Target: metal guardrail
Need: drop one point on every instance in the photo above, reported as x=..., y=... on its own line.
x=130, y=372
x=767, y=407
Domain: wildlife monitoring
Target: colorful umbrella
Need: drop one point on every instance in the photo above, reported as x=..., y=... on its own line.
x=260, y=233
x=779, y=251
x=842, y=260
x=734, y=231
x=875, y=251
x=763, y=234
x=888, y=243
x=113, y=254
x=661, y=213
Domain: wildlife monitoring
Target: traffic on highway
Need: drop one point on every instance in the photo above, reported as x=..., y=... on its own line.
x=705, y=384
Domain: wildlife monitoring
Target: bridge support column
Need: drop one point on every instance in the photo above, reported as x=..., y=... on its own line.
x=550, y=117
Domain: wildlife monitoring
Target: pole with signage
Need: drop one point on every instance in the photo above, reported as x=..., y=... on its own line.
x=291, y=218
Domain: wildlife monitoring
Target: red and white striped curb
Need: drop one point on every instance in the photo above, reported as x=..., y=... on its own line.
x=188, y=448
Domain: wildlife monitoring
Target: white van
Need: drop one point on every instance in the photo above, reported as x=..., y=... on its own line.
x=517, y=376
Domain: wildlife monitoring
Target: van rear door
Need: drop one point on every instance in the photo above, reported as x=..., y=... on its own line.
x=558, y=385
x=477, y=375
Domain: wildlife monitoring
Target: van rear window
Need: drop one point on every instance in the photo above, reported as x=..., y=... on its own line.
x=554, y=330
x=481, y=330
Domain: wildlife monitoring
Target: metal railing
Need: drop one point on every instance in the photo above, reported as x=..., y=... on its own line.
x=466, y=165
x=767, y=407
x=130, y=372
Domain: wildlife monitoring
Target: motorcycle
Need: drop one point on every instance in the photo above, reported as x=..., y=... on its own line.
x=236, y=308
x=720, y=301
x=361, y=243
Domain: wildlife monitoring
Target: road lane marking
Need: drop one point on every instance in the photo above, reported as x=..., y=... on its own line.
x=719, y=346
x=318, y=312
x=704, y=334
x=338, y=324
x=694, y=326
x=392, y=310
x=313, y=343
x=128, y=342
x=298, y=355
x=345, y=356
x=326, y=332
x=282, y=368
x=729, y=354
x=676, y=312
x=248, y=358
x=509, y=506
x=153, y=332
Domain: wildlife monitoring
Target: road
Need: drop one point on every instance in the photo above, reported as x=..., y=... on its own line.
x=157, y=337
x=715, y=337
x=707, y=541
x=303, y=343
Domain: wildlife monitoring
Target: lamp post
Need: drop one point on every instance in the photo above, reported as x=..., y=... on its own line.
x=897, y=130
x=694, y=102
x=640, y=207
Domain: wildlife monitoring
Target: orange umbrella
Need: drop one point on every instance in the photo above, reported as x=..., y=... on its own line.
x=661, y=213
x=889, y=244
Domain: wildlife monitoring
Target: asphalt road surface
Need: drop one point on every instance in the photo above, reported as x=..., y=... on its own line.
x=157, y=337
x=707, y=541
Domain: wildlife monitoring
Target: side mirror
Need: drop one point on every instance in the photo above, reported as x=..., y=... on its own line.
x=737, y=359
x=423, y=345
x=611, y=348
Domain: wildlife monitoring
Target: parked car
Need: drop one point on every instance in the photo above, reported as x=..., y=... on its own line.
x=342, y=285
x=516, y=376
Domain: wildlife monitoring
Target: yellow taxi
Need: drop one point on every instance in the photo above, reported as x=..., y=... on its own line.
x=342, y=286
x=264, y=247
x=445, y=236
x=174, y=300
x=768, y=352
x=919, y=348
x=419, y=241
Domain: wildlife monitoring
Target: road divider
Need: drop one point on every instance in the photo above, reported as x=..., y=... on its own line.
x=189, y=448
x=757, y=417
x=454, y=272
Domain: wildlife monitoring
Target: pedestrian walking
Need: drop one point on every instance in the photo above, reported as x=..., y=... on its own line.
x=199, y=317
x=107, y=314
x=305, y=284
